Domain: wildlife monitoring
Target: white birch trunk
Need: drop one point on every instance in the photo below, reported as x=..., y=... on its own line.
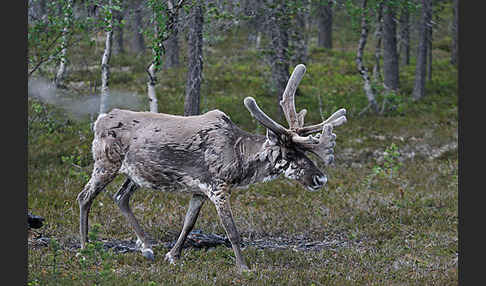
x=151, y=89
x=59, y=79
x=152, y=77
x=359, y=61
x=258, y=40
x=105, y=69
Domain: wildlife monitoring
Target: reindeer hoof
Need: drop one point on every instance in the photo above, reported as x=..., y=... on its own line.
x=148, y=253
x=170, y=258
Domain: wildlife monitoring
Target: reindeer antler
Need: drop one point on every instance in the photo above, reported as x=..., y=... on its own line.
x=321, y=144
x=264, y=119
x=288, y=102
x=336, y=119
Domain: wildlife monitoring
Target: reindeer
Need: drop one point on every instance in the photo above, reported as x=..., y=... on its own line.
x=206, y=156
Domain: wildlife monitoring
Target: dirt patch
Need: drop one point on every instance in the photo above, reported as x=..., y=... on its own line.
x=415, y=149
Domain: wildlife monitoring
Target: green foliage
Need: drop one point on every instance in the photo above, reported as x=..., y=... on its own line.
x=214, y=13
x=44, y=121
x=95, y=256
x=388, y=169
x=121, y=78
x=355, y=10
x=390, y=162
x=77, y=165
x=33, y=283
x=444, y=44
x=106, y=13
x=55, y=248
x=160, y=27
x=46, y=36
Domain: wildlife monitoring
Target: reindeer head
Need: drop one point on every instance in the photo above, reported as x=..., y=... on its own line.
x=288, y=146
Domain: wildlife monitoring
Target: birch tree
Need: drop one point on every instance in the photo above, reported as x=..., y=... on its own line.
x=67, y=9
x=390, y=52
x=105, y=60
x=378, y=37
x=164, y=19
x=51, y=30
x=363, y=71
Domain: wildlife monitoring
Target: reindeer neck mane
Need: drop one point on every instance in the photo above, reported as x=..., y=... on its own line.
x=255, y=156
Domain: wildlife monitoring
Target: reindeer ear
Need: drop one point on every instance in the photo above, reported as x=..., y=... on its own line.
x=272, y=137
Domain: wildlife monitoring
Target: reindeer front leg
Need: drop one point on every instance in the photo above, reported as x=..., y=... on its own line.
x=221, y=200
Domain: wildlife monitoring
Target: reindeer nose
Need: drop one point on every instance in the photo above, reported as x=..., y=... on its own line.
x=319, y=181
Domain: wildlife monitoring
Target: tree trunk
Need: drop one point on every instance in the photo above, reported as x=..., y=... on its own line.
x=154, y=67
x=42, y=8
x=429, y=53
x=154, y=107
x=405, y=36
x=454, y=34
x=252, y=9
x=119, y=47
x=195, y=64
x=279, y=45
x=61, y=72
x=379, y=37
x=36, y=10
x=359, y=61
x=105, y=68
x=172, y=44
x=420, y=69
x=138, y=40
x=390, y=55
x=324, y=37
x=172, y=50
x=299, y=34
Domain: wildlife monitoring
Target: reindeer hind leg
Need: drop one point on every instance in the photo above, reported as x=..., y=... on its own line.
x=195, y=205
x=122, y=199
